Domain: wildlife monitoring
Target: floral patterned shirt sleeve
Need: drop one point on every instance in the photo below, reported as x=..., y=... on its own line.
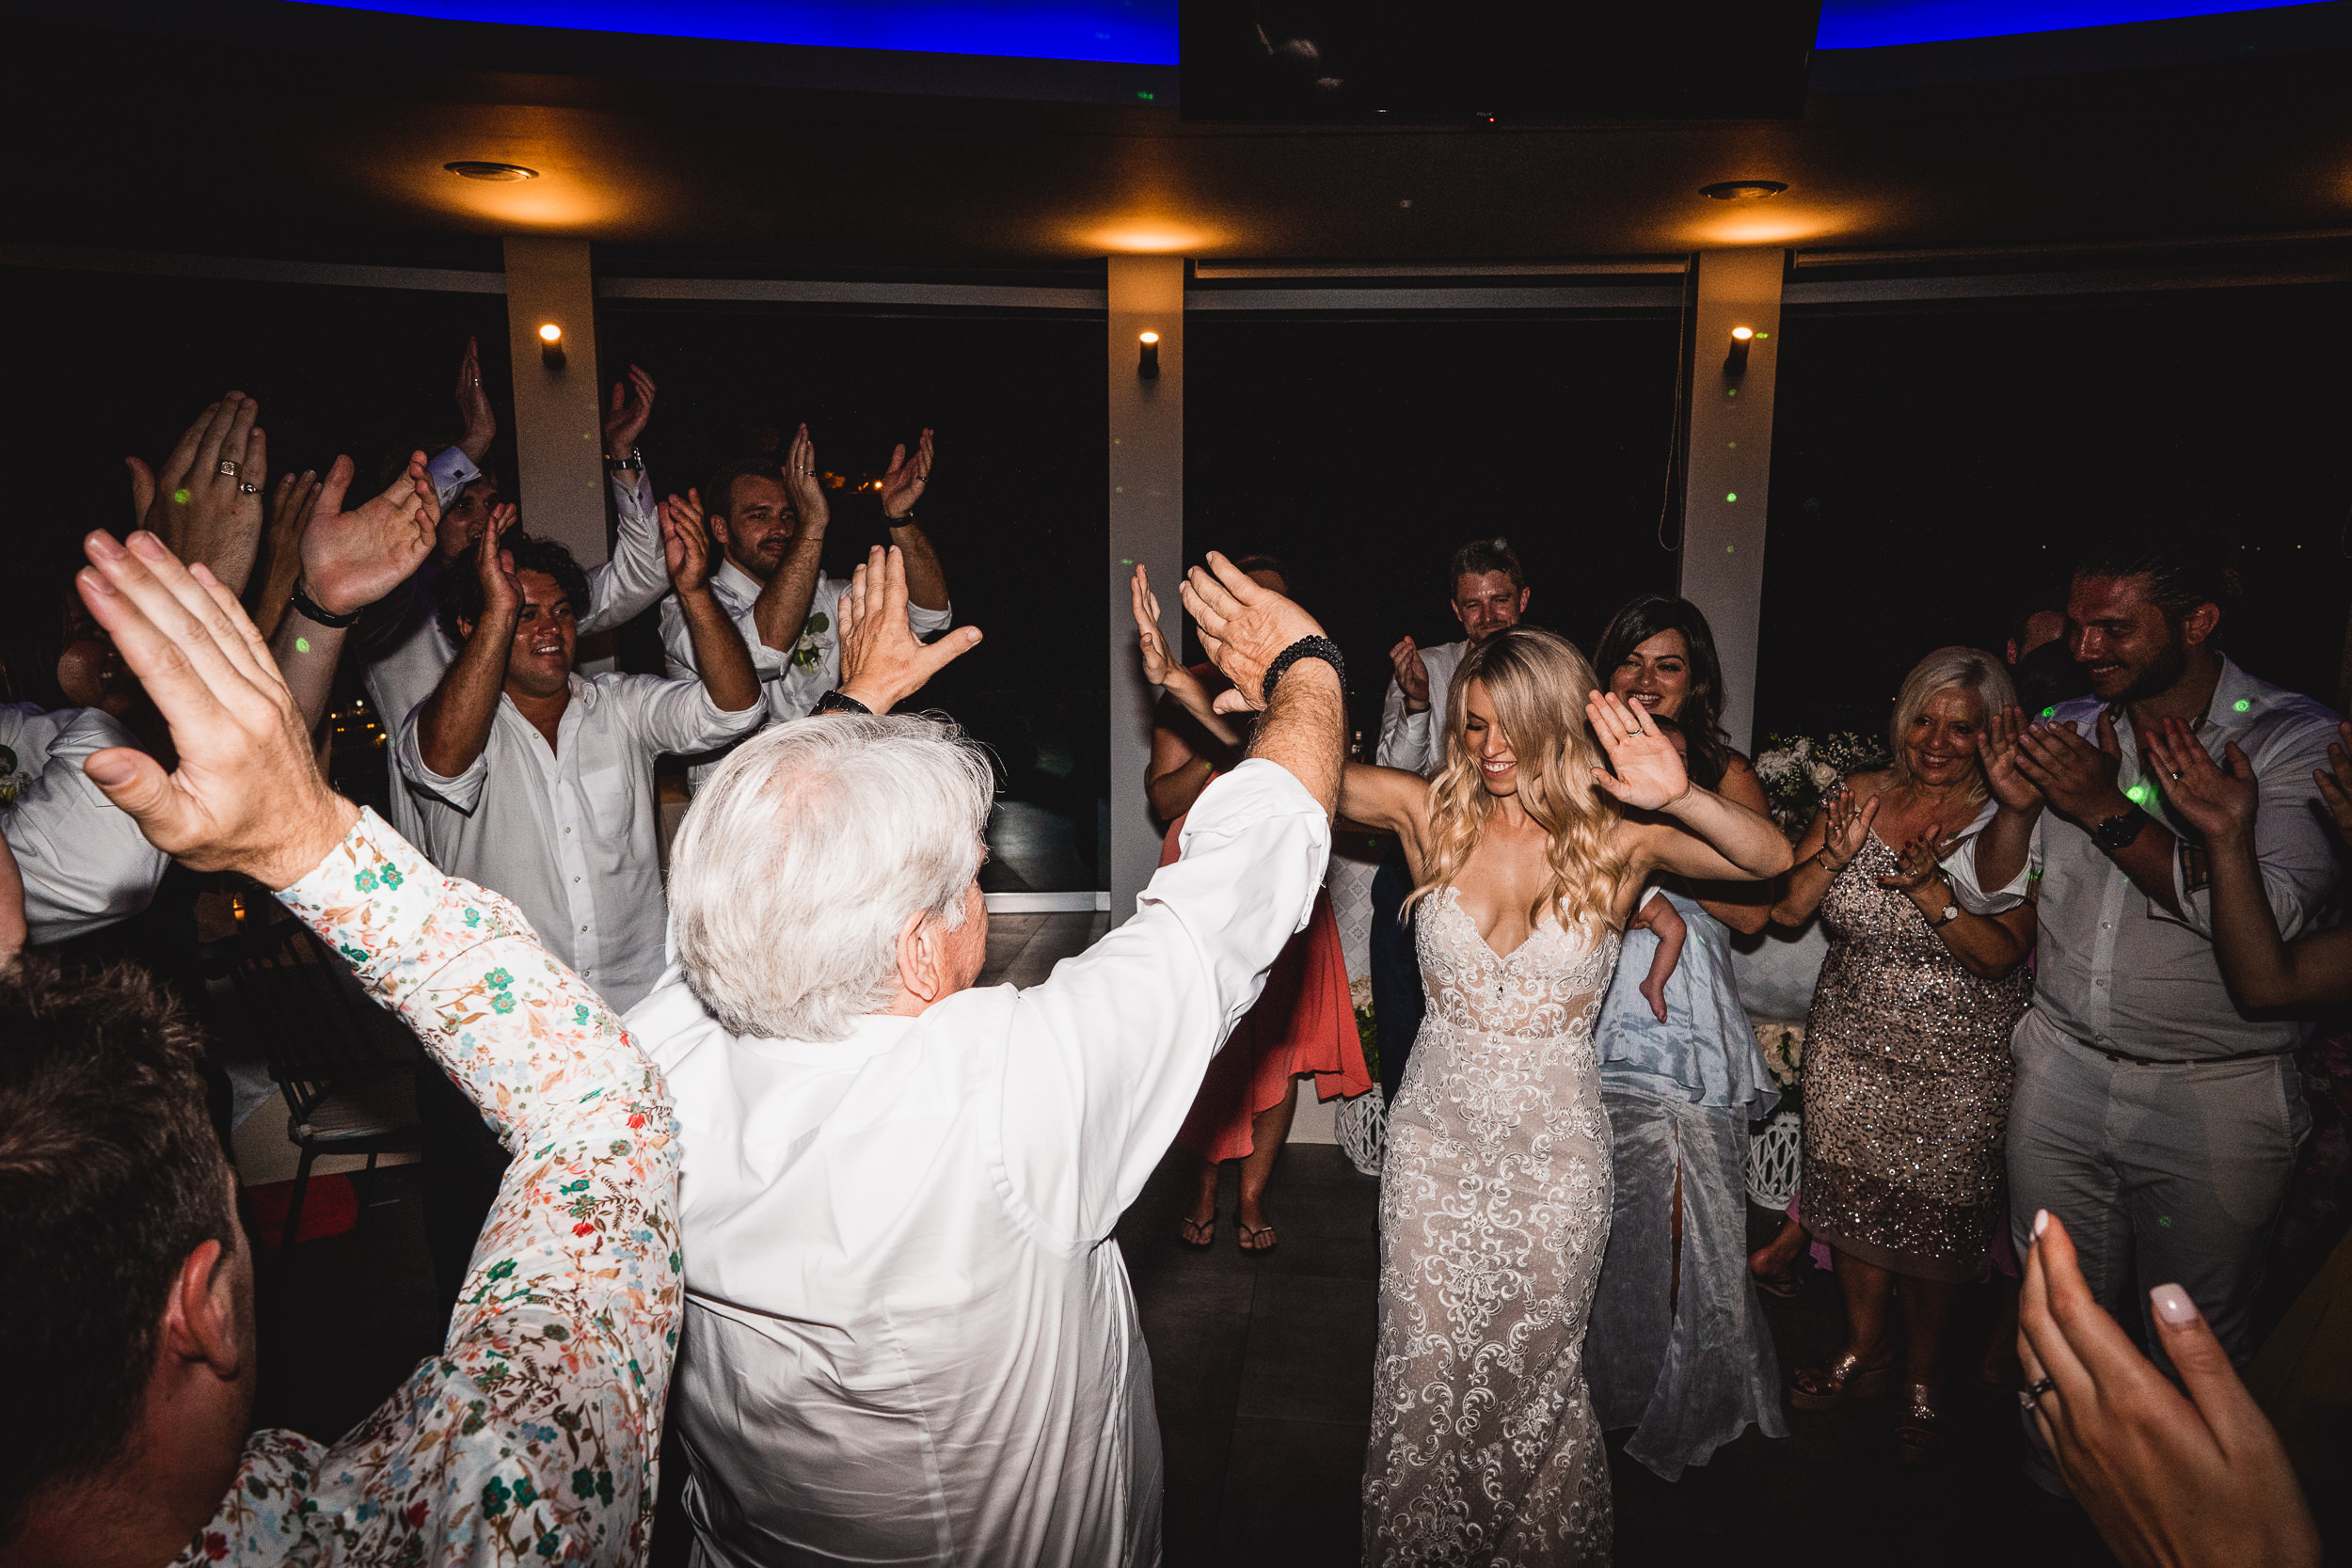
x=532, y=1437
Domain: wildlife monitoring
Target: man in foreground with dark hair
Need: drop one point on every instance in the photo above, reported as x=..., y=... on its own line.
x=532, y=1438
x=2152, y=1115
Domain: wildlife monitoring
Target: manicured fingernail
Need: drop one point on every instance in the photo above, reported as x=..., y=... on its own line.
x=93, y=583
x=2172, y=1305
x=104, y=544
x=146, y=543
x=2040, y=1222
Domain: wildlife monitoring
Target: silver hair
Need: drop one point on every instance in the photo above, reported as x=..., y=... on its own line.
x=802, y=857
x=1969, y=669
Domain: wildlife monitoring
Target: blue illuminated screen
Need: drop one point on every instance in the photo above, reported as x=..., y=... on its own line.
x=1143, y=32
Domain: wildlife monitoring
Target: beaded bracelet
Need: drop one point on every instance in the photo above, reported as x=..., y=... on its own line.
x=1306, y=647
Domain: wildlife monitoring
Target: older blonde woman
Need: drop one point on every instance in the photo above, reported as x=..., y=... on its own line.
x=1907, y=1065
x=1495, y=1194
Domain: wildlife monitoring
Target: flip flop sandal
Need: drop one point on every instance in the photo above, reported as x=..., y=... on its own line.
x=1199, y=1235
x=1837, y=1381
x=1249, y=1233
x=1784, y=1287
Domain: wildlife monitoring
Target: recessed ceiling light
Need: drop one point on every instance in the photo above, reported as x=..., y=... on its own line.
x=474, y=168
x=1742, y=190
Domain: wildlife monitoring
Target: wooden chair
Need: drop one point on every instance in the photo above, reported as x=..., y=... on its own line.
x=345, y=1065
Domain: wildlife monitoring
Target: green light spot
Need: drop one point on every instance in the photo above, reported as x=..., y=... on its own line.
x=1731, y=391
x=2241, y=704
x=2163, y=1221
x=1761, y=336
x=2049, y=713
x=1731, y=496
x=302, y=644
x=2138, y=794
x=179, y=498
x=1145, y=96
x=1731, y=549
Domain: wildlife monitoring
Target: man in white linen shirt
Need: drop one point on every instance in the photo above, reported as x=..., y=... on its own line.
x=2152, y=1116
x=538, y=783
x=402, y=647
x=912, y=1337
x=84, y=864
x=769, y=520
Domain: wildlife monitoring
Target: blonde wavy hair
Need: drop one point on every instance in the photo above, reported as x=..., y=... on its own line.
x=1538, y=683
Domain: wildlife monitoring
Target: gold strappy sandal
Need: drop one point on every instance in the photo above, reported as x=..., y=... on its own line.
x=1837, y=1381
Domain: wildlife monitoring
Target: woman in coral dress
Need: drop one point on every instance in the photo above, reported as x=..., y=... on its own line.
x=1304, y=1022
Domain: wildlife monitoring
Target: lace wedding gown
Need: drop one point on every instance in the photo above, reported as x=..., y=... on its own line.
x=1495, y=1197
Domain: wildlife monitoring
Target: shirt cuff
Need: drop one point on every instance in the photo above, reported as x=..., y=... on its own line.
x=452, y=470
x=370, y=898
x=924, y=621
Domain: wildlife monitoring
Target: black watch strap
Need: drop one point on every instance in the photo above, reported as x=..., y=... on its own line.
x=2118, y=831
x=311, y=611
x=839, y=702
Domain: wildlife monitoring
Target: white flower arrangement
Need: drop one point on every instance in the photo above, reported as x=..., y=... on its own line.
x=1799, y=772
x=1784, y=1050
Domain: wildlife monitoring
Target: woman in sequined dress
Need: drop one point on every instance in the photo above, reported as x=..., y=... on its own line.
x=1495, y=1187
x=1907, y=1065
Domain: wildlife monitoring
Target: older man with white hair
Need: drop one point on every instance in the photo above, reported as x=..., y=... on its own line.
x=911, y=1337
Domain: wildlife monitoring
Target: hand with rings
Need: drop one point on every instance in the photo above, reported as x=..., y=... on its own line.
x=205, y=503
x=801, y=484
x=2220, y=805
x=2188, y=1475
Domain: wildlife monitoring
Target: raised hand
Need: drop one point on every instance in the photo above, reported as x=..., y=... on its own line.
x=631, y=407
x=352, y=559
x=2337, y=791
x=290, y=506
x=883, y=663
x=1996, y=747
x=810, y=509
x=1916, y=862
x=902, y=482
x=2220, y=805
x=501, y=587
x=1848, y=828
x=1648, y=772
x=684, y=544
x=473, y=405
x=1157, y=666
x=206, y=502
x=2170, y=1476
x=1243, y=626
x=2077, y=777
x=1412, y=675
x=247, y=795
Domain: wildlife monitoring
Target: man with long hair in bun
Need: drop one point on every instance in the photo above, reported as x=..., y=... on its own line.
x=1527, y=851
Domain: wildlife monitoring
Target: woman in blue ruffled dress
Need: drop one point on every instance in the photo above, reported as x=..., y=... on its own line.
x=1678, y=1348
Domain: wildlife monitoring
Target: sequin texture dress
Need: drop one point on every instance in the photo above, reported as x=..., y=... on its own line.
x=1906, y=1084
x=1494, y=1213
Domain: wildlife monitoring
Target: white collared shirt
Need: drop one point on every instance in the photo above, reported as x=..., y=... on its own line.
x=405, y=662
x=2113, y=967
x=790, y=680
x=569, y=834
x=1416, y=741
x=84, y=862
x=911, y=1336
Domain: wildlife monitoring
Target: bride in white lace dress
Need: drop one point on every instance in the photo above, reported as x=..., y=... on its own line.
x=1495, y=1190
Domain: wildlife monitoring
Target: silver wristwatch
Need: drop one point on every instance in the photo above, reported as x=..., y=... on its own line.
x=1948, y=913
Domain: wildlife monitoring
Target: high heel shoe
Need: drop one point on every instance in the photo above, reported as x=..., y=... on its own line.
x=1837, y=1381
x=1919, y=1429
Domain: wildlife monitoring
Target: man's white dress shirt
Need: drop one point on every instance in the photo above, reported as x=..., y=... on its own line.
x=86, y=865
x=911, y=1337
x=406, y=658
x=790, y=679
x=1416, y=741
x=2115, y=969
x=569, y=834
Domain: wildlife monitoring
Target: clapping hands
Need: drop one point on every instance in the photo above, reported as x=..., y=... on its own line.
x=1244, y=626
x=1847, y=828
x=1996, y=747
x=206, y=502
x=1412, y=675
x=2220, y=805
x=631, y=407
x=883, y=663
x=685, y=545
x=902, y=483
x=352, y=559
x=1918, y=861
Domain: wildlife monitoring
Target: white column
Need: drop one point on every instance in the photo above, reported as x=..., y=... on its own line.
x=1147, y=525
x=559, y=433
x=1728, y=464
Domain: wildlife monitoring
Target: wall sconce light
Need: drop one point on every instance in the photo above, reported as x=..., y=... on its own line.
x=1736, y=362
x=1148, y=362
x=552, y=345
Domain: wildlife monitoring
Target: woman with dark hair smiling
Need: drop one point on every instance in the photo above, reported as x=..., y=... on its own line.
x=1679, y=1349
